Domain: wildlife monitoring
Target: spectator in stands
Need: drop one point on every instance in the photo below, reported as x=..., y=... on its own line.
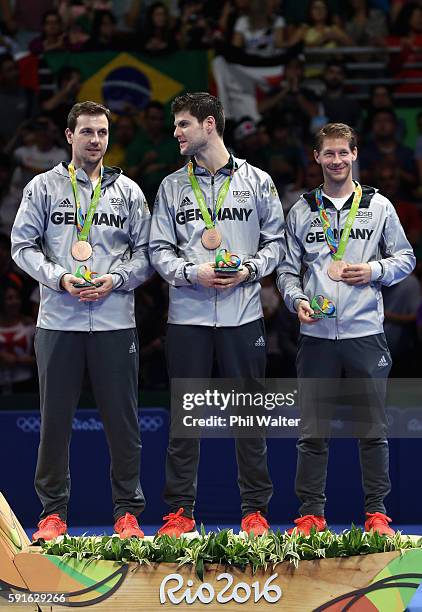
x=7, y=42
x=248, y=142
x=58, y=106
x=158, y=35
x=322, y=28
x=384, y=147
x=195, y=30
x=52, y=37
x=366, y=26
x=25, y=18
x=104, y=36
x=10, y=195
x=16, y=102
x=125, y=148
x=231, y=12
x=17, y=359
x=388, y=179
x=41, y=156
x=408, y=34
x=381, y=97
x=293, y=100
x=312, y=176
x=338, y=106
x=283, y=158
x=158, y=153
x=261, y=32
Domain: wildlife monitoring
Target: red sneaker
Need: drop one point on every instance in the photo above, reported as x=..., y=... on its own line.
x=177, y=524
x=377, y=521
x=127, y=527
x=49, y=528
x=255, y=524
x=305, y=523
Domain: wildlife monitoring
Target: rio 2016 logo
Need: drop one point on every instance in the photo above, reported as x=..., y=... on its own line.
x=205, y=593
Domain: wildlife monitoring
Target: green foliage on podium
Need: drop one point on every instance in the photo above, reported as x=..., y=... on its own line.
x=225, y=547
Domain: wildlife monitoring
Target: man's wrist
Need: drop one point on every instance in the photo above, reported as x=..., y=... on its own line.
x=297, y=301
x=252, y=273
x=61, y=285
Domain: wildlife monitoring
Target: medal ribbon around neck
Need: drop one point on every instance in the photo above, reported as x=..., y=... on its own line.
x=336, y=247
x=209, y=222
x=84, y=225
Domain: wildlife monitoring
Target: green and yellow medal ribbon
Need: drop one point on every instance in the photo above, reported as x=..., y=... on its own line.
x=338, y=247
x=84, y=224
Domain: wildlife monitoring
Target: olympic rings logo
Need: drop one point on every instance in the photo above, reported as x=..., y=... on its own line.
x=151, y=423
x=32, y=424
x=29, y=424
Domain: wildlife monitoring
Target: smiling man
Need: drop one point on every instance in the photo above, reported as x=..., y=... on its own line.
x=214, y=200
x=343, y=242
x=82, y=232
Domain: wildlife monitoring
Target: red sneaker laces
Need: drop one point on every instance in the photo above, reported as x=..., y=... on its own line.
x=305, y=521
x=176, y=517
x=53, y=520
x=129, y=520
x=378, y=516
x=256, y=519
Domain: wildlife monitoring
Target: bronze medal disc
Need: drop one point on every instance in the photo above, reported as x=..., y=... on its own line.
x=81, y=250
x=211, y=238
x=335, y=269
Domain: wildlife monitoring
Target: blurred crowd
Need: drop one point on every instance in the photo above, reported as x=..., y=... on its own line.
x=277, y=139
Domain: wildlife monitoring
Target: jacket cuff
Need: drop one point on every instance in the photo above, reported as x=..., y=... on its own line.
x=377, y=270
x=190, y=272
x=118, y=280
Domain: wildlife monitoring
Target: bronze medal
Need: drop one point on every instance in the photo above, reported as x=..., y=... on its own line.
x=81, y=250
x=211, y=238
x=335, y=269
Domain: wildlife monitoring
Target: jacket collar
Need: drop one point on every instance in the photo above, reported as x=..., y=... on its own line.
x=110, y=174
x=233, y=163
x=367, y=194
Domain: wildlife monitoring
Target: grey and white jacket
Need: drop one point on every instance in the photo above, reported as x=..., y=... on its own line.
x=45, y=229
x=251, y=223
x=377, y=238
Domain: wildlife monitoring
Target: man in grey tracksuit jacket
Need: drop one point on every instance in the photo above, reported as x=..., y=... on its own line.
x=90, y=328
x=352, y=344
x=211, y=316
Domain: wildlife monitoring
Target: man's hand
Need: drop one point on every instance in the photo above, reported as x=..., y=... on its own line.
x=357, y=274
x=304, y=312
x=103, y=286
x=68, y=282
x=208, y=278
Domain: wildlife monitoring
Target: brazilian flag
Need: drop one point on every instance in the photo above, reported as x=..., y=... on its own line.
x=120, y=79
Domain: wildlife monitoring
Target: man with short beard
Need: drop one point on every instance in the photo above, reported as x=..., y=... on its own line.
x=212, y=315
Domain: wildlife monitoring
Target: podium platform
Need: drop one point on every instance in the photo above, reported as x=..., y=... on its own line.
x=31, y=580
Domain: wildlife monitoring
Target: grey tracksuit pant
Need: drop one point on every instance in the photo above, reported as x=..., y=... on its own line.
x=112, y=361
x=190, y=353
x=367, y=358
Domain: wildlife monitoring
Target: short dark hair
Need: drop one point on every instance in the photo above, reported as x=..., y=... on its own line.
x=86, y=108
x=201, y=105
x=335, y=130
